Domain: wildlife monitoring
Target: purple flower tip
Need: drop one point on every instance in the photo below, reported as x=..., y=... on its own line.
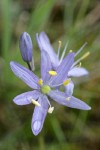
x=26, y=47
x=36, y=126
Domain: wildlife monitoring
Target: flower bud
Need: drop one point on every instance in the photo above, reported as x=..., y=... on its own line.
x=26, y=47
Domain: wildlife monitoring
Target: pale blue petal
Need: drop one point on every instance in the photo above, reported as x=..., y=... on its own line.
x=25, y=98
x=62, y=70
x=44, y=44
x=58, y=96
x=77, y=103
x=61, y=98
x=25, y=74
x=45, y=66
x=69, y=88
x=77, y=72
x=39, y=115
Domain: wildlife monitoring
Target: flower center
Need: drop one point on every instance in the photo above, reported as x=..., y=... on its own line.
x=45, y=89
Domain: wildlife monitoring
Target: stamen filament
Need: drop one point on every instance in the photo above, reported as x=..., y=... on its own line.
x=35, y=102
x=81, y=49
x=50, y=109
x=59, y=48
x=64, y=51
x=48, y=102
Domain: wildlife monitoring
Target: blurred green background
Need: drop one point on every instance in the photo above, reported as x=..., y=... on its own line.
x=76, y=21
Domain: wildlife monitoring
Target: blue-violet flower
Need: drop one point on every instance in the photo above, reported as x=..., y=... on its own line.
x=45, y=87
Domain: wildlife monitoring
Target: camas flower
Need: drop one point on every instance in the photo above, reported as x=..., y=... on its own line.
x=45, y=87
x=75, y=71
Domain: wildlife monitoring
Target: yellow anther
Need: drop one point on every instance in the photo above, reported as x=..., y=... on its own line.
x=85, y=55
x=50, y=110
x=53, y=73
x=66, y=82
x=70, y=51
x=68, y=98
x=35, y=102
x=60, y=43
x=80, y=64
x=40, y=82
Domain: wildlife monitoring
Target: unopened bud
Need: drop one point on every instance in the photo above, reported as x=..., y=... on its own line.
x=26, y=47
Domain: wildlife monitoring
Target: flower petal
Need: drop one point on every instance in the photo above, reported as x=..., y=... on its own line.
x=44, y=44
x=25, y=74
x=45, y=66
x=77, y=72
x=25, y=98
x=77, y=103
x=58, y=96
x=73, y=102
x=39, y=115
x=69, y=88
x=62, y=70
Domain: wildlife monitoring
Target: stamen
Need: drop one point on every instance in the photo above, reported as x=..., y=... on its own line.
x=50, y=110
x=40, y=82
x=64, y=51
x=35, y=102
x=80, y=64
x=53, y=73
x=59, y=48
x=81, y=58
x=85, y=55
x=70, y=51
x=60, y=43
x=81, y=48
x=68, y=98
x=66, y=81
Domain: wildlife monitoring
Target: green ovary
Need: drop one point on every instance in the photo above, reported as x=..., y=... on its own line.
x=45, y=89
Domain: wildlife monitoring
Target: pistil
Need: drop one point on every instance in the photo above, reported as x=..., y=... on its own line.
x=45, y=89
